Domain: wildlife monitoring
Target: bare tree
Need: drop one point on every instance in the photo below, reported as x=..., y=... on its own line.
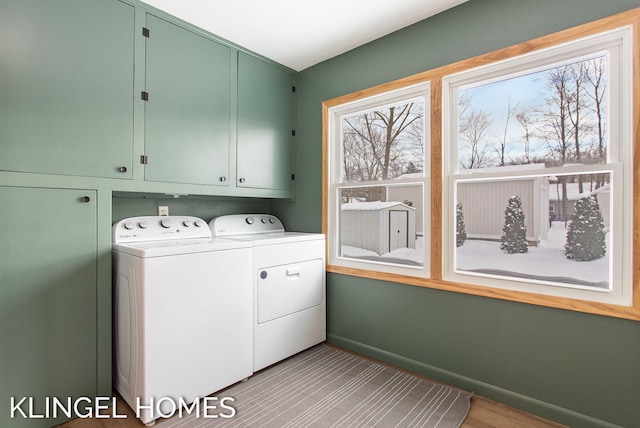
x=566, y=121
x=524, y=119
x=596, y=91
x=382, y=144
x=502, y=142
x=472, y=132
x=554, y=124
x=357, y=161
x=464, y=103
x=576, y=107
x=553, y=120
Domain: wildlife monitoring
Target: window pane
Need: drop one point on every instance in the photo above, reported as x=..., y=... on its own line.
x=557, y=116
x=384, y=143
x=551, y=229
x=383, y=224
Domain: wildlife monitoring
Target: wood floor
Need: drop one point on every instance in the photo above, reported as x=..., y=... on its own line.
x=484, y=413
x=487, y=413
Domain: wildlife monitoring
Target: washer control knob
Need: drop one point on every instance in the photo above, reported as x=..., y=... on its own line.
x=264, y=220
x=166, y=223
x=198, y=223
x=143, y=224
x=129, y=225
x=186, y=223
x=249, y=220
x=271, y=220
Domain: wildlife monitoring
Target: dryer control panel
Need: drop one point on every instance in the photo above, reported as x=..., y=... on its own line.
x=159, y=228
x=245, y=224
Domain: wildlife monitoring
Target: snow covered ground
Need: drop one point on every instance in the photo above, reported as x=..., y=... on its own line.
x=546, y=261
x=412, y=256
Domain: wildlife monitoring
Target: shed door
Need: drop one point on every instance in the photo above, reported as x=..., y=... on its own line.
x=398, y=229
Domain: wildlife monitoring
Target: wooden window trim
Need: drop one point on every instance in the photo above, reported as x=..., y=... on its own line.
x=630, y=18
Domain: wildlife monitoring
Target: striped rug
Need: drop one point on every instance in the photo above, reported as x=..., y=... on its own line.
x=328, y=387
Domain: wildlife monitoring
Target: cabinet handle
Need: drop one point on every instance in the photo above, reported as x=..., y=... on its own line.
x=241, y=180
x=122, y=169
x=85, y=199
x=223, y=179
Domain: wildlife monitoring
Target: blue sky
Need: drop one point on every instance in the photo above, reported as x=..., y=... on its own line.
x=525, y=91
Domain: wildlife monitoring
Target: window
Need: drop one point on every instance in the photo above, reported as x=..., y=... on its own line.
x=547, y=132
x=378, y=204
x=510, y=175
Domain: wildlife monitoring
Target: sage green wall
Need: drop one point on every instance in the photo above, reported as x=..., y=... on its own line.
x=583, y=370
x=206, y=207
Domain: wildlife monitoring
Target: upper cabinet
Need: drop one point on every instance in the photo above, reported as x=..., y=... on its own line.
x=265, y=125
x=113, y=89
x=187, y=112
x=66, y=87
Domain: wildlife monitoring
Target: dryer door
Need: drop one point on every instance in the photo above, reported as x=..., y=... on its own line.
x=286, y=289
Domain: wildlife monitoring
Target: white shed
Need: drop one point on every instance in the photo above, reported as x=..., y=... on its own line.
x=484, y=203
x=377, y=226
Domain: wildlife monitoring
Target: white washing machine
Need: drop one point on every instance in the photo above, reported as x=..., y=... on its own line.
x=289, y=313
x=182, y=312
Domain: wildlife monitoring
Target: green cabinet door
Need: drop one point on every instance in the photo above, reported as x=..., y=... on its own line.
x=66, y=87
x=187, y=126
x=265, y=125
x=47, y=300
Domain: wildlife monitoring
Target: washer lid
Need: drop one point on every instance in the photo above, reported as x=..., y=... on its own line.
x=176, y=247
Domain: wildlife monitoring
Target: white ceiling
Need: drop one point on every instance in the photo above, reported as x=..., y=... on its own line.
x=301, y=33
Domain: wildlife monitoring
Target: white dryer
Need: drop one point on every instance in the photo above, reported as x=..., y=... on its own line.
x=182, y=312
x=288, y=270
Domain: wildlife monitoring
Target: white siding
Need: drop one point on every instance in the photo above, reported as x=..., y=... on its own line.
x=366, y=225
x=361, y=229
x=484, y=204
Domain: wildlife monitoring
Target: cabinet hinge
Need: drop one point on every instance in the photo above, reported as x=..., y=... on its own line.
x=145, y=32
x=293, y=89
x=144, y=96
x=293, y=176
x=293, y=132
x=144, y=160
